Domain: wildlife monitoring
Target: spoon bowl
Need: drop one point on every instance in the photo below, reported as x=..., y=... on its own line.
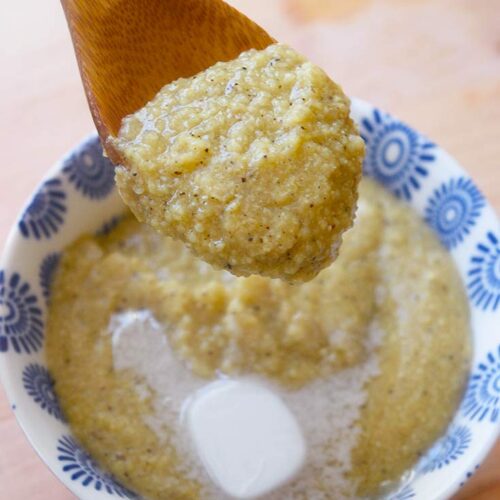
x=128, y=50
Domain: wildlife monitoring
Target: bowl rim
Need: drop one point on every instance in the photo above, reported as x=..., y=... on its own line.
x=30, y=429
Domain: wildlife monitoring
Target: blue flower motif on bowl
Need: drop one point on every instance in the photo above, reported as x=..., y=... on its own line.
x=405, y=493
x=40, y=386
x=45, y=214
x=482, y=399
x=454, y=209
x=48, y=268
x=483, y=281
x=21, y=325
x=82, y=468
x=90, y=172
x=396, y=155
x=447, y=449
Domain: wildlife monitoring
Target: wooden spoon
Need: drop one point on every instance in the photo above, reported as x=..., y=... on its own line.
x=127, y=50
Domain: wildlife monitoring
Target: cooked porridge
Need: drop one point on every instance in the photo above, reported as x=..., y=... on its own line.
x=253, y=164
x=370, y=356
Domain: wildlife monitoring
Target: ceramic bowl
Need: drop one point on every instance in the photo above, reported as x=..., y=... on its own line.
x=78, y=196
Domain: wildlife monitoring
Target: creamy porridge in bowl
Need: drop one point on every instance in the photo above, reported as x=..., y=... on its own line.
x=385, y=364
x=344, y=339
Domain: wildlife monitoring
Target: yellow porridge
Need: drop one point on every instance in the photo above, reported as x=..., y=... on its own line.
x=377, y=345
x=253, y=164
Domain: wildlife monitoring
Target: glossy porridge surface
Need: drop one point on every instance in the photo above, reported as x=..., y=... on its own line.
x=384, y=329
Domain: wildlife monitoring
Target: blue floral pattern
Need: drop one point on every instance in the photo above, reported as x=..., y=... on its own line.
x=483, y=281
x=449, y=448
x=82, y=468
x=482, y=399
x=454, y=209
x=405, y=493
x=90, y=172
x=21, y=325
x=396, y=155
x=48, y=268
x=40, y=386
x=45, y=214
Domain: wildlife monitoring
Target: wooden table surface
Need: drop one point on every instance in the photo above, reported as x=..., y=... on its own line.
x=433, y=63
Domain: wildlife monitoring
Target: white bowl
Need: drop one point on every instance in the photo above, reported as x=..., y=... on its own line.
x=78, y=196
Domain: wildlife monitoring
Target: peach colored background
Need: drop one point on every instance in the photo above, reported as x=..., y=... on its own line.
x=434, y=63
